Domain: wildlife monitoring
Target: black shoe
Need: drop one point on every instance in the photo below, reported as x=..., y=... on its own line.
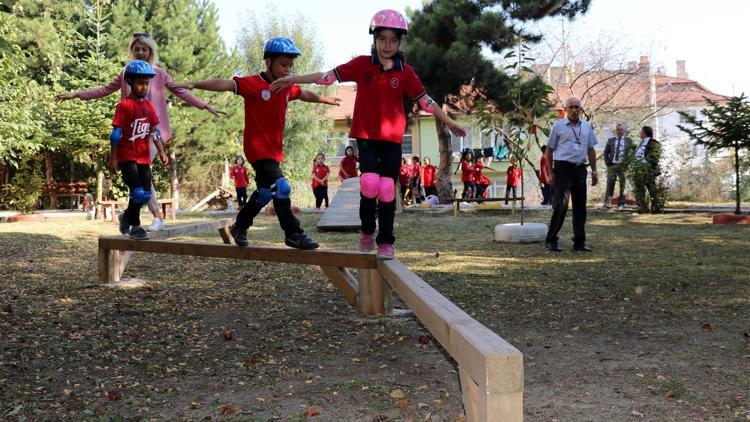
x=582, y=247
x=552, y=246
x=124, y=225
x=138, y=233
x=300, y=241
x=239, y=235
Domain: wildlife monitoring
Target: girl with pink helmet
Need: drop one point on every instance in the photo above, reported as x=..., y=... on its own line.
x=379, y=122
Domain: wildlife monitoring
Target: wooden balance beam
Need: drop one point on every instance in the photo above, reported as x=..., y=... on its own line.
x=457, y=202
x=490, y=369
x=117, y=259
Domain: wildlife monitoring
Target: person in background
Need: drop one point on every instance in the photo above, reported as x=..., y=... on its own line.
x=547, y=189
x=648, y=154
x=615, y=153
x=480, y=181
x=238, y=173
x=348, y=164
x=320, y=172
x=467, y=170
x=415, y=183
x=513, y=179
x=404, y=174
x=429, y=179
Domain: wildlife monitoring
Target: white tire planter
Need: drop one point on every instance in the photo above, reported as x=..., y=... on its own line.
x=517, y=233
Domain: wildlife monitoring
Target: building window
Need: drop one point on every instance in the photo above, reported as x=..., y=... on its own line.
x=337, y=143
x=406, y=143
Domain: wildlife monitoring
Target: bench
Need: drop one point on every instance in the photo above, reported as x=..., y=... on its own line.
x=73, y=190
x=457, y=201
x=112, y=206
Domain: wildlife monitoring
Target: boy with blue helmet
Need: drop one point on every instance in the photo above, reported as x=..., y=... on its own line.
x=134, y=125
x=265, y=115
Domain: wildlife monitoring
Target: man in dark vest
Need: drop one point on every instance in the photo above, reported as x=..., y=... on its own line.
x=614, y=157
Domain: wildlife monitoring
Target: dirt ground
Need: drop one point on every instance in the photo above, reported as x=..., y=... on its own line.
x=653, y=326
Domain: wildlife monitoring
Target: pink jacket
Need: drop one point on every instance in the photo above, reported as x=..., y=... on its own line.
x=159, y=84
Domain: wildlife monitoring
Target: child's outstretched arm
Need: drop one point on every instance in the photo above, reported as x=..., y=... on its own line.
x=320, y=78
x=216, y=84
x=312, y=97
x=429, y=105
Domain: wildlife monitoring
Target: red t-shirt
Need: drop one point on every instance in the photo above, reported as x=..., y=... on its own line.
x=416, y=171
x=467, y=170
x=543, y=176
x=428, y=176
x=349, y=165
x=137, y=119
x=265, y=116
x=476, y=175
x=379, y=105
x=403, y=175
x=239, y=174
x=514, y=176
x=320, y=172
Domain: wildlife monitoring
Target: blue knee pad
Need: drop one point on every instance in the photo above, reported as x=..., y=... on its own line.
x=283, y=188
x=264, y=196
x=140, y=196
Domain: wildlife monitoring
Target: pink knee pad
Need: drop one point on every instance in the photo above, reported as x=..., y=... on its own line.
x=368, y=185
x=386, y=190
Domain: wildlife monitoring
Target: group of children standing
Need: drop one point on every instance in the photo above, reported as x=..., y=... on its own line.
x=417, y=181
x=476, y=183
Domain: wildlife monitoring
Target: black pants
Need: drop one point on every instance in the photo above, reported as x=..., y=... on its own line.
x=241, y=196
x=615, y=172
x=508, y=189
x=469, y=189
x=430, y=190
x=404, y=188
x=547, y=192
x=321, y=194
x=570, y=181
x=135, y=176
x=266, y=174
x=480, y=190
x=383, y=158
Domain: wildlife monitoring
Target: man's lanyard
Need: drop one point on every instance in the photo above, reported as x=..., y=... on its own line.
x=577, y=135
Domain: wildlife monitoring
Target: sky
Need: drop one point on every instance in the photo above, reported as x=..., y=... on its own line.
x=704, y=34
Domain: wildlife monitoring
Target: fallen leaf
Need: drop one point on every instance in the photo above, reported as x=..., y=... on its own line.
x=708, y=327
x=424, y=340
x=312, y=411
x=402, y=404
x=113, y=395
x=228, y=335
x=397, y=394
x=228, y=410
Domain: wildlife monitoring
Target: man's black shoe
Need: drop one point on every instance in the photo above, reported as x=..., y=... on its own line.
x=239, y=235
x=552, y=246
x=583, y=247
x=300, y=241
x=138, y=233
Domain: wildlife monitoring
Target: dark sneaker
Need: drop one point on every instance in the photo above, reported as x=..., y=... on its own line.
x=239, y=235
x=138, y=233
x=553, y=246
x=582, y=247
x=124, y=225
x=300, y=241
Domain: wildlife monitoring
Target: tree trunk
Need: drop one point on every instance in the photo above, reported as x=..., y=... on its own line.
x=444, y=184
x=737, y=195
x=174, y=182
x=99, y=191
x=50, y=179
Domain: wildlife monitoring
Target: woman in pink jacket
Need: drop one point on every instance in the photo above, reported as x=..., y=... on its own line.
x=143, y=47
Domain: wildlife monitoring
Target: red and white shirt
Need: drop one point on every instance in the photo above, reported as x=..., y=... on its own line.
x=514, y=176
x=265, y=117
x=137, y=119
x=379, y=105
x=239, y=175
x=320, y=172
x=428, y=176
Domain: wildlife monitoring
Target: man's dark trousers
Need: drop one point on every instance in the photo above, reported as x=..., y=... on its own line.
x=570, y=181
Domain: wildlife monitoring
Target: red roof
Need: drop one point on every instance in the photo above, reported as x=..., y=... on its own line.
x=347, y=93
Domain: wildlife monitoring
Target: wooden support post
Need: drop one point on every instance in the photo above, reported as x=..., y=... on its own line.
x=345, y=281
x=364, y=302
x=225, y=235
x=375, y=296
x=470, y=393
x=456, y=206
x=103, y=261
x=117, y=262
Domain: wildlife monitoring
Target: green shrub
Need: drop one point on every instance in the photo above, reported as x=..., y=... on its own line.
x=23, y=192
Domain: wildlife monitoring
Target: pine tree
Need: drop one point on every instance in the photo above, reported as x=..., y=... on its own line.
x=445, y=44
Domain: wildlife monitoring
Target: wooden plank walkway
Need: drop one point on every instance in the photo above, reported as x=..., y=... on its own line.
x=343, y=213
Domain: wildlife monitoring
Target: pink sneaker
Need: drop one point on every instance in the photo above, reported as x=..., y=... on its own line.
x=386, y=251
x=366, y=242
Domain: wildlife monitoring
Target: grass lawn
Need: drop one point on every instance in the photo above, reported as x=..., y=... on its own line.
x=654, y=325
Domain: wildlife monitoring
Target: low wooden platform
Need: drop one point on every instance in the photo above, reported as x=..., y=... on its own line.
x=343, y=212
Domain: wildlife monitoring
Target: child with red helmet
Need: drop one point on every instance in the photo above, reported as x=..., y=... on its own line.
x=133, y=127
x=379, y=122
x=265, y=117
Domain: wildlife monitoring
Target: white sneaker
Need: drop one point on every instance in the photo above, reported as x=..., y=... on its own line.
x=156, y=225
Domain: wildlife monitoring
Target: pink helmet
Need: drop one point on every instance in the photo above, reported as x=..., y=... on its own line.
x=388, y=18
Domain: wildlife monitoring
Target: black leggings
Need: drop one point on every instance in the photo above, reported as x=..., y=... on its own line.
x=384, y=159
x=266, y=174
x=321, y=194
x=135, y=176
x=469, y=190
x=241, y=196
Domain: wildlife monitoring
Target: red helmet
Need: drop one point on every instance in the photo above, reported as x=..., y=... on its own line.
x=390, y=19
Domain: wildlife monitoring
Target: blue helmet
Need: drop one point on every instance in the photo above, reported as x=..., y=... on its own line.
x=280, y=46
x=138, y=68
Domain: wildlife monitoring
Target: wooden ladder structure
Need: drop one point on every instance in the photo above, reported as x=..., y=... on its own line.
x=490, y=369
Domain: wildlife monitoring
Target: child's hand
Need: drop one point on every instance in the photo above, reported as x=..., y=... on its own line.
x=163, y=158
x=213, y=110
x=112, y=165
x=334, y=101
x=66, y=96
x=280, y=84
x=457, y=130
